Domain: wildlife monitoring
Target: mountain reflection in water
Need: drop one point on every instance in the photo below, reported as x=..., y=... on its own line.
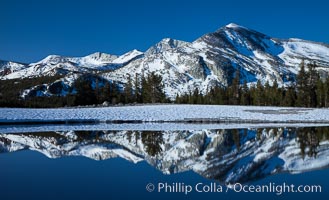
x=228, y=156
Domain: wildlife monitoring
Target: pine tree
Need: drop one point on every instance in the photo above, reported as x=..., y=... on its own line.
x=236, y=138
x=138, y=90
x=156, y=88
x=302, y=89
x=313, y=78
x=85, y=93
x=97, y=90
x=258, y=94
x=145, y=90
x=245, y=94
x=234, y=89
x=320, y=93
x=178, y=99
x=152, y=89
x=152, y=140
x=276, y=94
x=289, y=97
x=267, y=94
x=326, y=92
x=115, y=93
x=128, y=92
x=252, y=91
x=197, y=96
x=224, y=96
x=105, y=92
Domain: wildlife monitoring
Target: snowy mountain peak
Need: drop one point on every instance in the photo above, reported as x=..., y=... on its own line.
x=129, y=56
x=166, y=40
x=97, y=58
x=50, y=59
x=104, y=57
x=8, y=67
x=173, y=43
x=135, y=51
x=208, y=61
x=164, y=45
x=235, y=29
x=233, y=25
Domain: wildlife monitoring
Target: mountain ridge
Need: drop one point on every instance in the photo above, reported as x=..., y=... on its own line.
x=210, y=60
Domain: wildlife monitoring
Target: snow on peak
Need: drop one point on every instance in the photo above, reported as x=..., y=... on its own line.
x=97, y=58
x=50, y=59
x=296, y=40
x=128, y=56
x=101, y=57
x=8, y=67
x=200, y=64
x=233, y=25
x=135, y=51
x=172, y=42
x=166, y=40
x=164, y=45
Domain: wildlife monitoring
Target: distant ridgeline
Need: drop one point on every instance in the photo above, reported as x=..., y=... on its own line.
x=309, y=90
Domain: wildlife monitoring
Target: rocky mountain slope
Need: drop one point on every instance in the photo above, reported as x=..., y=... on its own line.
x=209, y=60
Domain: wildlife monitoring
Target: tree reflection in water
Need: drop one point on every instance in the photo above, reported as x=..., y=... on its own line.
x=235, y=155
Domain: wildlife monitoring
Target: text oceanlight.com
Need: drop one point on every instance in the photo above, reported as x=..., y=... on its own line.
x=214, y=187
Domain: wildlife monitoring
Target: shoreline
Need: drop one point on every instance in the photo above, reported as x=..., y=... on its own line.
x=209, y=114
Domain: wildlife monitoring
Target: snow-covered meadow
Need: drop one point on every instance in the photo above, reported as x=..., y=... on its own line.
x=168, y=113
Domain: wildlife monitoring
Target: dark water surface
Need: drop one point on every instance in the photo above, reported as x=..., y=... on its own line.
x=185, y=164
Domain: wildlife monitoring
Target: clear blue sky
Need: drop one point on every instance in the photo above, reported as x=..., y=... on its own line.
x=33, y=29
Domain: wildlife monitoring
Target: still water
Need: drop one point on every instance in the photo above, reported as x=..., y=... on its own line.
x=275, y=163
